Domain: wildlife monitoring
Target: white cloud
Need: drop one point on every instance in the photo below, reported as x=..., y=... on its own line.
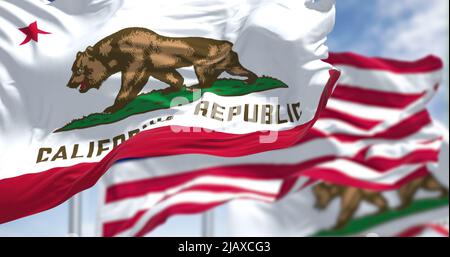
x=413, y=28
x=422, y=29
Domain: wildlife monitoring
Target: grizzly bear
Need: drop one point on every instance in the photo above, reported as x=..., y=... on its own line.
x=407, y=192
x=352, y=197
x=139, y=53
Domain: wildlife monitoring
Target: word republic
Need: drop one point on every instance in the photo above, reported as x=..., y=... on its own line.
x=255, y=113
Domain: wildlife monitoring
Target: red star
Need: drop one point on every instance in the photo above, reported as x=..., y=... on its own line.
x=32, y=32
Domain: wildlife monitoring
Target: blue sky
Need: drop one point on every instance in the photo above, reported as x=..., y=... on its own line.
x=404, y=29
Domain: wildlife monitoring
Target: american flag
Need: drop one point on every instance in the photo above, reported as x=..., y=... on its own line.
x=375, y=133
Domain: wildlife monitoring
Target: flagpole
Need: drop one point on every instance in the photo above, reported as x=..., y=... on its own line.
x=208, y=224
x=75, y=201
x=75, y=216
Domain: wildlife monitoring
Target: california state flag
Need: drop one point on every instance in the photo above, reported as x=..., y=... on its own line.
x=85, y=84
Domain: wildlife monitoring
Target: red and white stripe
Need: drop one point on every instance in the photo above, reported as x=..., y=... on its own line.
x=426, y=230
x=375, y=133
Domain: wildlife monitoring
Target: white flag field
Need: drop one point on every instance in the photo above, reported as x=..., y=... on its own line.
x=374, y=136
x=88, y=83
